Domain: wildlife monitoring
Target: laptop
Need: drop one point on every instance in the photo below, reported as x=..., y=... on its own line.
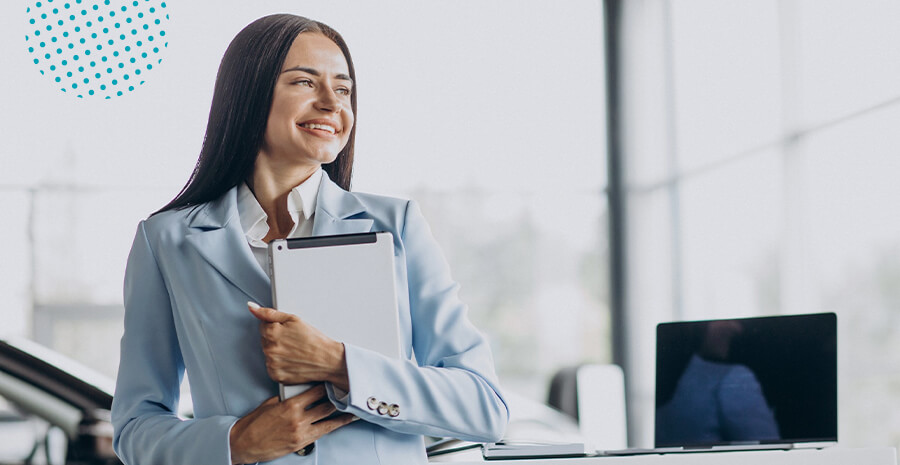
x=745, y=384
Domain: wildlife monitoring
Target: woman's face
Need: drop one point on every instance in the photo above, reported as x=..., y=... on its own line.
x=311, y=118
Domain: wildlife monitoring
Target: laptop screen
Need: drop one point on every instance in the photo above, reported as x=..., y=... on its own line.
x=764, y=380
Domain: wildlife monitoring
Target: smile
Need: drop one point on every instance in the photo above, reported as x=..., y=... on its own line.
x=322, y=127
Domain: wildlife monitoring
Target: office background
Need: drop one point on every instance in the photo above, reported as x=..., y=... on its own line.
x=749, y=168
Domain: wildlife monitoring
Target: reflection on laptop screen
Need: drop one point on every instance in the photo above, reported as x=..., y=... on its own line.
x=761, y=380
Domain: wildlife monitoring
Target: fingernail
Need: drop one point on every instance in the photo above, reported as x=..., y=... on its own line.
x=253, y=305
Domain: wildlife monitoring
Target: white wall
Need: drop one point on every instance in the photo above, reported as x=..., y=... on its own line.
x=489, y=112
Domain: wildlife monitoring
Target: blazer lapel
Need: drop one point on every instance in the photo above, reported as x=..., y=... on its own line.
x=335, y=211
x=220, y=240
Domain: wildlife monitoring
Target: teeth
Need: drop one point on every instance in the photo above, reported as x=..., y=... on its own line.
x=323, y=127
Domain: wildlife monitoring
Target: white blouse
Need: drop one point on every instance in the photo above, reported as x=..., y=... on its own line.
x=301, y=205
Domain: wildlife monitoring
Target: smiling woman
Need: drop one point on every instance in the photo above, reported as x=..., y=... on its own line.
x=281, y=127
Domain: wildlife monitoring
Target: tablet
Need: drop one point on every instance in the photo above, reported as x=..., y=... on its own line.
x=343, y=285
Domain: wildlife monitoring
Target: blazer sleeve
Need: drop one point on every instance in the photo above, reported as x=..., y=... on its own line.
x=146, y=428
x=451, y=390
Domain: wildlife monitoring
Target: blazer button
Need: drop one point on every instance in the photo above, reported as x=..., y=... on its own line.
x=394, y=410
x=372, y=403
x=382, y=408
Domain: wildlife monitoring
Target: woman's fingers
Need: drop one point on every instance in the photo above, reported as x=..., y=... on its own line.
x=270, y=401
x=311, y=395
x=298, y=353
x=326, y=426
x=314, y=400
x=269, y=315
x=277, y=428
x=321, y=411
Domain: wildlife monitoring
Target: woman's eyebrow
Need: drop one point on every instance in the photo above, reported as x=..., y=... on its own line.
x=315, y=72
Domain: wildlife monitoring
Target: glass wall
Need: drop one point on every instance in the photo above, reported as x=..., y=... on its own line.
x=489, y=113
x=761, y=153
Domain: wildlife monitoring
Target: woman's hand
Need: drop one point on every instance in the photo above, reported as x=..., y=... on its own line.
x=298, y=353
x=275, y=429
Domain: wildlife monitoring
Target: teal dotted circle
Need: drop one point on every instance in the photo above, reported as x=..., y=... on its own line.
x=62, y=36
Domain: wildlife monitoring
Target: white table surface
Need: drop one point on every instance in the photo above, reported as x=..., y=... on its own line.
x=827, y=456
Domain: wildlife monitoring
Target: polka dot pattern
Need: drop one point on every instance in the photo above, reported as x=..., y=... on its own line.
x=96, y=48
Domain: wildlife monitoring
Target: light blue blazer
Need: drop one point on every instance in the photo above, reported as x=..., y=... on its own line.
x=190, y=274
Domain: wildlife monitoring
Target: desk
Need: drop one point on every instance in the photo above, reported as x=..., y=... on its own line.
x=828, y=456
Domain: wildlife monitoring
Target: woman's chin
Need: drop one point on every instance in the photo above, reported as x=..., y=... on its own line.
x=325, y=158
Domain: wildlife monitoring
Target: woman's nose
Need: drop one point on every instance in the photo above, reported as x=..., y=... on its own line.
x=328, y=100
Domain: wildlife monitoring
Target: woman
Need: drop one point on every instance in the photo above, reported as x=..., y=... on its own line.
x=276, y=162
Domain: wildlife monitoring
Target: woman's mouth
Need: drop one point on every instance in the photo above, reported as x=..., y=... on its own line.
x=319, y=127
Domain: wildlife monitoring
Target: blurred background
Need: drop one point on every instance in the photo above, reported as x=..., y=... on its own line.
x=590, y=169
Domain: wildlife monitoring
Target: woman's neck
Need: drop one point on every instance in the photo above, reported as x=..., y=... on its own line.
x=271, y=187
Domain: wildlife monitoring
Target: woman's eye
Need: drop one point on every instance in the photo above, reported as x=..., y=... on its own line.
x=304, y=82
x=343, y=91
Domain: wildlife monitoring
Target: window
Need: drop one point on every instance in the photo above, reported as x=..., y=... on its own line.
x=490, y=114
x=759, y=180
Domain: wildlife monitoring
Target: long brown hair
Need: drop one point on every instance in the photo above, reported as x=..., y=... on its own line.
x=240, y=107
